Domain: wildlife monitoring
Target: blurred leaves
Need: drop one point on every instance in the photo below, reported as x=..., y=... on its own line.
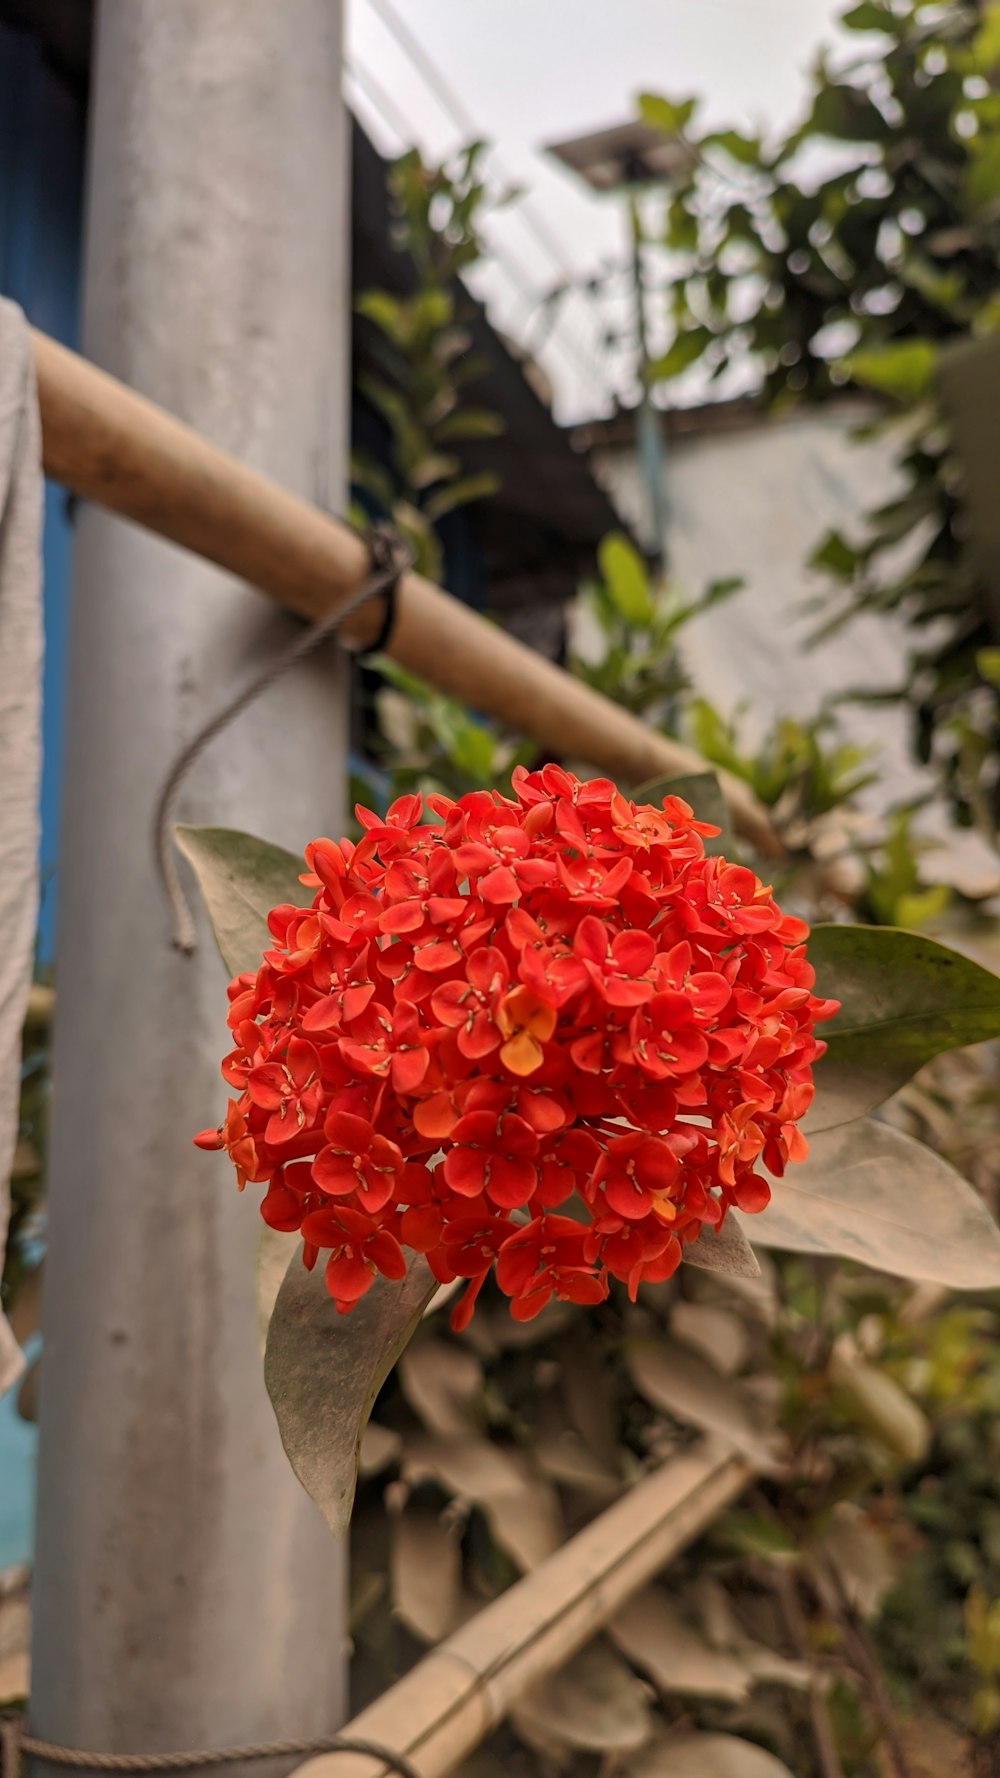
x=858, y=268
x=421, y=348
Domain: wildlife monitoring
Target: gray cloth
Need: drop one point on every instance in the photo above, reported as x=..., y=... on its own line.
x=20, y=738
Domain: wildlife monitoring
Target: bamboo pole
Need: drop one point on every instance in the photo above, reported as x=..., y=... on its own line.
x=112, y=446
x=453, y=1698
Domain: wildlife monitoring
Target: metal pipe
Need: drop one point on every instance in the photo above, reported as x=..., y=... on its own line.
x=181, y=1575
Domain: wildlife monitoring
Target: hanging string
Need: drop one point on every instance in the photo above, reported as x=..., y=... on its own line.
x=390, y=560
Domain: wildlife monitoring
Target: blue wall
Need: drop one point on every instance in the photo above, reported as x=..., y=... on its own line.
x=42, y=135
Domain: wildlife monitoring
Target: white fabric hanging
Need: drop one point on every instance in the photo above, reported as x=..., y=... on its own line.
x=20, y=735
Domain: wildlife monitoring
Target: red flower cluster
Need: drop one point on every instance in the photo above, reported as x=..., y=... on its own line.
x=529, y=1003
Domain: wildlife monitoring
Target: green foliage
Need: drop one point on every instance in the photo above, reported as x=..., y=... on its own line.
x=422, y=352
x=903, y=999
x=638, y=621
x=903, y=369
x=792, y=770
x=894, y=892
x=862, y=274
x=982, y=1641
x=433, y=742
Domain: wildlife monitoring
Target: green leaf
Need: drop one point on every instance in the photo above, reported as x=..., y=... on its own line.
x=846, y=113
x=836, y=555
x=869, y=1193
x=469, y=422
x=986, y=43
x=719, y=590
x=471, y=487
x=902, y=370
x=434, y=467
x=473, y=750
x=982, y=179
x=669, y=116
x=703, y=792
x=745, y=149
x=988, y=665
x=870, y=16
x=627, y=580
x=241, y=879
x=387, y=313
x=686, y=349
x=904, y=998
x=324, y=1370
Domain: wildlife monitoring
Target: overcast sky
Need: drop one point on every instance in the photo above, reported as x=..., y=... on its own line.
x=528, y=72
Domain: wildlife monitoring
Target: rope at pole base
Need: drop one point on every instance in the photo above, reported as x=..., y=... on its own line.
x=16, y=1740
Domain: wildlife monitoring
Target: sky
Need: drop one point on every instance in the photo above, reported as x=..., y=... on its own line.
x=523, y=73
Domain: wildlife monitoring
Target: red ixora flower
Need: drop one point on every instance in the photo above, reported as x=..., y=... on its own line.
x=496, y=1006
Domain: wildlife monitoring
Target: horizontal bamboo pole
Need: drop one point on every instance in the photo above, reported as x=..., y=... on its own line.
x=112, y=446
x=451, y=1700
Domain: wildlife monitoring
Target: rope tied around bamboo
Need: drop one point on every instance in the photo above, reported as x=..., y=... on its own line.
x=112, y=446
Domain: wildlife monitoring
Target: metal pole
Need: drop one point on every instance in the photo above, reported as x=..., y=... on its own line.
x=649, y=435
x=186, y=1591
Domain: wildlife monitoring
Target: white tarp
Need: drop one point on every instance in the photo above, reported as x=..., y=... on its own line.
x=20, y=744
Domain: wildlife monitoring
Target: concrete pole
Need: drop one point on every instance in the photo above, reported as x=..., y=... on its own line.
x=186, y=1591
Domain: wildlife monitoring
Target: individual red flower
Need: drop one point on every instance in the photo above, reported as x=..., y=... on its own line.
x=549, y=1000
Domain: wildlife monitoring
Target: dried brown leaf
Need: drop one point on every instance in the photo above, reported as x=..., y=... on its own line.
x=564, y=1458
x=859, y=1556
x=426, y=1572
x=588, y=1393
x=680, y=1384
x=706, y=1756
x=594, y=1704
x=443, y=1383
x=715, y=1334
x=380, y=1446
x=671, y=1652
x=521, y=1507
